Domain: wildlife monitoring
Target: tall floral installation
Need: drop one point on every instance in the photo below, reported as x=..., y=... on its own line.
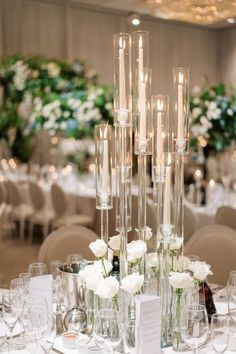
x=153, y=264
x=213, y=117
x=63, y=99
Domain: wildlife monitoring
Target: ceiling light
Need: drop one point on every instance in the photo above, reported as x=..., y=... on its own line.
x=231, y=20
x=135, y=20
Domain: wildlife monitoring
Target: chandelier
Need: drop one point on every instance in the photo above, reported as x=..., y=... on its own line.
x=202, y=12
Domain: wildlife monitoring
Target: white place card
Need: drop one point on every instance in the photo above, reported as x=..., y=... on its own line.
x=148, y=325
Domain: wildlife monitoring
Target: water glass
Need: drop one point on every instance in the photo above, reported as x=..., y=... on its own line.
x=21, y=285
x=194, y=326
x=10, y=313
x=107, y=329
x=74, y=258
x=37, y=269
x=54, y=265
x=219, y=332
x=24, y=275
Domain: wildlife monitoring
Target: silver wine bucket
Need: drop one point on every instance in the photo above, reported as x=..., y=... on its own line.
x=73, y=286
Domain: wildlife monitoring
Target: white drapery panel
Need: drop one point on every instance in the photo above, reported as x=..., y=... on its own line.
x=65, y=29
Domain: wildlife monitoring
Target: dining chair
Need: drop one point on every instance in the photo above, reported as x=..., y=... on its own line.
x=20, y=210
x=66, y=240
x=226, y=215
x=62, y=215
x=41, y=214
x=190, y=223
x=215, y=244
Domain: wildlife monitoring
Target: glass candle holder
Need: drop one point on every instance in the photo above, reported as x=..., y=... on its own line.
x=103, y=166
x=181, y=108
x=143, y=121
x=162, y=135
x=122, y=79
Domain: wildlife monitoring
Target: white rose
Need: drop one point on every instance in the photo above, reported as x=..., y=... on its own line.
x=200, y=270
x=108, y=288
x=103, y=266
x=114, y=243
x=99, y=248
x=229, y=112
x=180, y=280
x=152, y=260
x=196, y=112
x=136, y=250
x=196, y=91
x=148, y=233
x=132, y=283
x=92, y=276
x=177, y=244
x=212, y=106
x=196, y=100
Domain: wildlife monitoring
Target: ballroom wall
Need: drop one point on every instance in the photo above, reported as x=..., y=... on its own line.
x=228, y=56
x=65, y=29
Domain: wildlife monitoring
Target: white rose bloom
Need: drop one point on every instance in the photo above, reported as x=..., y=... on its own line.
x=108, y=288
x=136, y=250
x=217, y=113
x=148, y=233
x=99, y=248
x=200, y=270
x=177, y=244
x=196, y=91
x=103, y=266
x=212, y=106
x=132, y=283
x=196, y=112
x=230, y=112
x=92, y=276
x=152, y=260
x=196, y=100
x=114, y=243
x=207, y=103
x=180, y=280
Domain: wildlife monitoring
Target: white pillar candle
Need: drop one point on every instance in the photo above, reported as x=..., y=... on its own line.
x=167, y=198
x=159, y=142
x=105, y=171
x=180, y=108
x=122, y=79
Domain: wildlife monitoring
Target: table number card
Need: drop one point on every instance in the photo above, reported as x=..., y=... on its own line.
x=148, y=325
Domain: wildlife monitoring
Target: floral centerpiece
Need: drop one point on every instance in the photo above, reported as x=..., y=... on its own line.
x=213, y=117
x=52, y=95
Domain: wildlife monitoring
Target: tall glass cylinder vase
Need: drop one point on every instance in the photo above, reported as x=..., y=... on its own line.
x=179, y=302
x=103, y=175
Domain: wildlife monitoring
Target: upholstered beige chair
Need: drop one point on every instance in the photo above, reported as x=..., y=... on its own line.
x=215, y=244
x=66, y=240
x=226, y=216
x=190, y=223
x=62, y=217
x=41, y=215
x=20, y=210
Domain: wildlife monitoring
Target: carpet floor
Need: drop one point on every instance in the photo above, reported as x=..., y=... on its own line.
x=15, y=258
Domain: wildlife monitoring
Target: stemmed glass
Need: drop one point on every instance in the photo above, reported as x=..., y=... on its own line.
x=38, y=313
x=194, y=326
x=107, y=330
x=219, y=332
x=37, y=269
x=11, y=311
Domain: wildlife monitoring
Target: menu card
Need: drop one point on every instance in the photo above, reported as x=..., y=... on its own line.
x=148, y=325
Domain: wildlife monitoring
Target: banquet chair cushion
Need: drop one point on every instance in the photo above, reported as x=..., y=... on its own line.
x=66, y=240
x=226, y=216
x=215, y=244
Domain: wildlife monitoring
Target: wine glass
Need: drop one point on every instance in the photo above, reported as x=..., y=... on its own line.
x=37, y=269
x=24, y=275
x=107, y=329
x=74, y=258
x=231, y=283
x=38, y=313
x=10, y=312
x=194, y=326
x=21, y=285
x=3, y=334
x=219, y=332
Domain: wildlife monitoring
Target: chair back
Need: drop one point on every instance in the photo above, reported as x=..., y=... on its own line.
x=37, y=196
x=59, y=200
x=190, y=223
x=3, y=194
x=66, y=240
x=13, y=193
x=226, y=216
x=215, y=244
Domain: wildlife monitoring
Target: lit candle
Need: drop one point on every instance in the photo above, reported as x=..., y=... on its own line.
x=167, y=199
x=198, y=175
x=105, y=169
x=122, y=76
x=159, y=133
x=180, y=132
